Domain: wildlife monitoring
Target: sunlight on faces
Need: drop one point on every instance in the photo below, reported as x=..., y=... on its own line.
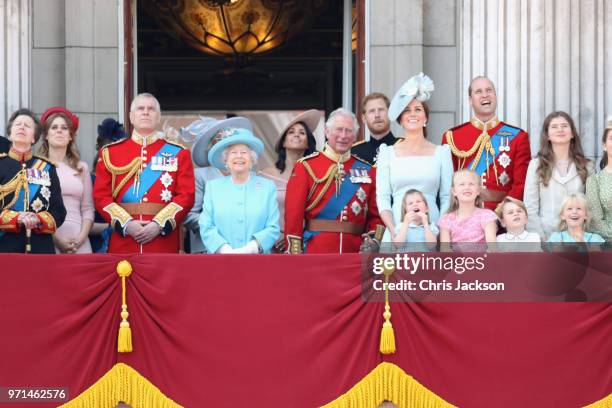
x=59, y=133
x=513, y=217
x=483, y=98
x=22, y=131
x=376, y=116
x=466, y=186
x=574, y=213
x=559, y=131
x=341, y=135
x=296, y=138
x=146, y=115
x=238, y=158
x=414, y=116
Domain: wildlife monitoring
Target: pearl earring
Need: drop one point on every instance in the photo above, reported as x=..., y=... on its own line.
x=425, y=124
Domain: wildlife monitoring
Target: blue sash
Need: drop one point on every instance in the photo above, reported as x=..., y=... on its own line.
x=148, y=177
x=505, y=131
x=335, y=204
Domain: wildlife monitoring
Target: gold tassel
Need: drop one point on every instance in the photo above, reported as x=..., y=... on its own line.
x=387, y=335
x=124, y=342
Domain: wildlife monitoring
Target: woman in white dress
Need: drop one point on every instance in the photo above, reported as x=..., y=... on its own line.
x=413, y=162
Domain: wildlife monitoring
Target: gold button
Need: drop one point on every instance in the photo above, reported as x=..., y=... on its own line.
x=344, y=218
x=144, y=159
x=144, y=152
x=145, y=199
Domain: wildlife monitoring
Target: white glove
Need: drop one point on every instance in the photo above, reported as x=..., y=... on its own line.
x=251, y=248
x=226, y=249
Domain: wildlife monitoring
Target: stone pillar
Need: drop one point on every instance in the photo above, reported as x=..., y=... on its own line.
x=543, y=55
x=14, y=58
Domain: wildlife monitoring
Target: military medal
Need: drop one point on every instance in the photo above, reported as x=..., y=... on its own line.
x=504, y=178
x=166, y=195
x=166, y=179
x=164, y=163
x=504, y=160
x=45, y=192
x=356, y=208
x=339, y=177
x=361, y=194
x=37, y=205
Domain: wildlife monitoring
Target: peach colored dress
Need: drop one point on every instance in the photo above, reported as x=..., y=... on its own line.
x=78, y=200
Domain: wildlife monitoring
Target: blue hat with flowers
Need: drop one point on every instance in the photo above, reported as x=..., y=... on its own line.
x=204, y=131
x=232, y=137
x=418, y=87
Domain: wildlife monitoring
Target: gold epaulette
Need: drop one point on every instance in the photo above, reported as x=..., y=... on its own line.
x=328, y=178
x=114, y=143
x=362, y=160
x=46, y=159
x=362, y=141
x=132, y=169
x=310, y=156
x=3, y=155
x=172, y=142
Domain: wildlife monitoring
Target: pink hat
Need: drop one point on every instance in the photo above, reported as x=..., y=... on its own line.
x=58, y=109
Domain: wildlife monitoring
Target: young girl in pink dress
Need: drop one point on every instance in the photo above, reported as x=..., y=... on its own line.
x=466, y=221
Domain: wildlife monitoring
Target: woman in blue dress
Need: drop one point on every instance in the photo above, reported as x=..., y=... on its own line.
x=240, y=211
x=413, y=162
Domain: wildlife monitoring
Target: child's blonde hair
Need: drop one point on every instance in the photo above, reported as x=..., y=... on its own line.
x=499, y=210
x=406, y=194
x=568, y=199
x=454, y=206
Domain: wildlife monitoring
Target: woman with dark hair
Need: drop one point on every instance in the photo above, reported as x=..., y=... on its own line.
x=296, y=141
x=599, y=189
x=413, y=162
x=59, y=145
x=559, y=169
x=31, y=207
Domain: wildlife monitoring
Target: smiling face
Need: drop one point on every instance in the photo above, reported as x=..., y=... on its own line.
x=145, y=114
x=22, y=131
x=559, y=131
x=414, y=117
x=514, y=217
x=574, y=213
x=466, y=187
x=296, y=138
x=238, y=159
x=58, y=134
x=483, y=98
x=341, y=135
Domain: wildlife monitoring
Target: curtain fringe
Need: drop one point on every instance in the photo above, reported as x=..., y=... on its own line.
x=606, y=402
x=388, y=382
x=122, y=383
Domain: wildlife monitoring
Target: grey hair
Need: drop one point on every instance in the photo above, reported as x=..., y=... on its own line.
x=144, y=95
x=252, y=152
x=342, y=112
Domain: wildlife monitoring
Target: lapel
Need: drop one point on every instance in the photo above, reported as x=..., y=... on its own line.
x=571, y=173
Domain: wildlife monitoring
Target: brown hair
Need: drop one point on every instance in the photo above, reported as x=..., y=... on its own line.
x=477, y=78
x=604, y=158
x=499, y=210
x=425, y=108
x=454, y=206
x=574, y=197
x=72, y=152
x=547, y=156
x=374, y=95
x=25, y=112
x=410, y=192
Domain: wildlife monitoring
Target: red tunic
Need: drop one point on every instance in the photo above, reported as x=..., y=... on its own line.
x=166, y=202
x=360, y=209
x=507, y=166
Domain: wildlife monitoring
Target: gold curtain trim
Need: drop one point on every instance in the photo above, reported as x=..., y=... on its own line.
x=122, y=383
x=606, y=402
x=388, y=382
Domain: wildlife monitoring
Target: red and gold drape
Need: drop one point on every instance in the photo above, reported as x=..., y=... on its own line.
x=285, y=331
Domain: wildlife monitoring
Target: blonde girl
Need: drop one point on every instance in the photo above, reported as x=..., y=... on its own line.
x=573, y=218
x=415, y=227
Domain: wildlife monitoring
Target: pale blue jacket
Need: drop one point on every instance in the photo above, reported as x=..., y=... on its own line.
x=235, y=214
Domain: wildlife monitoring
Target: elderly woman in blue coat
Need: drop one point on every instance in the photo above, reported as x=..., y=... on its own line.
x=240, y=211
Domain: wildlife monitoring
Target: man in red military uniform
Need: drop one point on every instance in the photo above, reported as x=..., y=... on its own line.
x=330, y=203
x=498, y=152
x=144, y=185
